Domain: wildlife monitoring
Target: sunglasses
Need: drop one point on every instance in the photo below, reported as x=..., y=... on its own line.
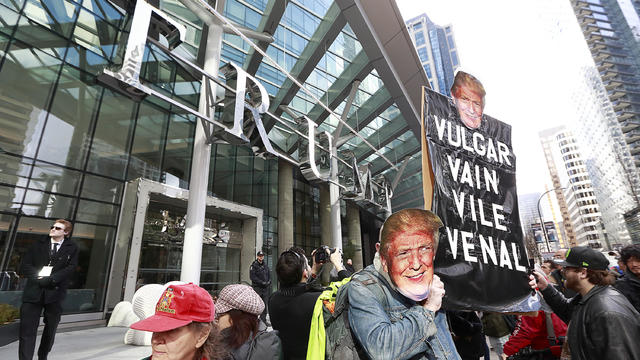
x=57, y=228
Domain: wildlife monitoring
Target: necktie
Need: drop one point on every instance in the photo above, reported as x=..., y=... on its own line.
x=54, y=249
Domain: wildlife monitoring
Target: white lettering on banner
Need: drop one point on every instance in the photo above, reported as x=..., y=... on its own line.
x=241, y=122
x=456, y=137
x=497, y=215
x=486, y=246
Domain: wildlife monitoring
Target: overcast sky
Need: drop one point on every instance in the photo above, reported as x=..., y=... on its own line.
x=527, y=55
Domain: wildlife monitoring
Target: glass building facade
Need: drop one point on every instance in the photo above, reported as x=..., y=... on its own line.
x=73, y=148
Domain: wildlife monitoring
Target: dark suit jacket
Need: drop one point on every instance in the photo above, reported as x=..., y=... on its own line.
x=64, y=264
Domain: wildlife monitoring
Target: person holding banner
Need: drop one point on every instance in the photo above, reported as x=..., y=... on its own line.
x=602, y=322
x=394, y=304
x=468, y=95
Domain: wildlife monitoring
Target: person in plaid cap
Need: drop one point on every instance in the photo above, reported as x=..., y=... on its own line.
x=602, y=322
x=237, y=313
x=182, y=326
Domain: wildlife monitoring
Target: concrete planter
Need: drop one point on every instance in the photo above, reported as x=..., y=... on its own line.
x=9, y=332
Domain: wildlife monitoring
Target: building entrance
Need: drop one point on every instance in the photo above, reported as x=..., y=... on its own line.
x=151, y=234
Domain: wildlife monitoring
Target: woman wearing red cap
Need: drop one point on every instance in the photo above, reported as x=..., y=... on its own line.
x=182, y=326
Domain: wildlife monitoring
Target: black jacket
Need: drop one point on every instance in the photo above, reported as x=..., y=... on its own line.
x=466, y=330
x=259, y=274
x=64, y=264
x=290, y=311
x=629, y=286
x=603, y=324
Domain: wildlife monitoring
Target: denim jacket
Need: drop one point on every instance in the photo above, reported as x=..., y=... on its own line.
x=399, y=328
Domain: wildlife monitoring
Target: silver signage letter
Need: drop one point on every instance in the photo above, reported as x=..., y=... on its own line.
x=349, y=176
x=250, y=98
x=129, y=73
x=315, y=165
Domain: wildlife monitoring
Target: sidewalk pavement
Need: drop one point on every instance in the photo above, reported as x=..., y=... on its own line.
x=100, y=343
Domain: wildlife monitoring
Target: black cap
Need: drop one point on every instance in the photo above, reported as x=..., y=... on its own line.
x=260, y=253
x=584, y=257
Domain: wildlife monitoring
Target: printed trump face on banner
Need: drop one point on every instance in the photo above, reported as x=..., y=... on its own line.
x=468, y=96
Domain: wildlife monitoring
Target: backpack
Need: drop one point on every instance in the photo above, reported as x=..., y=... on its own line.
x=339, y=342
x=265, y=345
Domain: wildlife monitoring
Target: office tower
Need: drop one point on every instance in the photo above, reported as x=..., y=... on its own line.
x=572, y=186
x=612, y=33
x=607, y=156
x=436, y=48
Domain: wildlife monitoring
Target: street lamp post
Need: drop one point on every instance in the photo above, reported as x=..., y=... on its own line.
x=544, y=228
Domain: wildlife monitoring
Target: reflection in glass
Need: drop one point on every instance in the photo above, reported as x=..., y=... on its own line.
x=38, y=203
x=176, y=166
x=26, y=78
x=86, y=291
x=52, y=178
x=101, y=188
x=95, y=212
x=146, y=152
x=109, y=150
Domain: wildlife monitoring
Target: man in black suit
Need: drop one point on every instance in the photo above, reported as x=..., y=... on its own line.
x=48, y=266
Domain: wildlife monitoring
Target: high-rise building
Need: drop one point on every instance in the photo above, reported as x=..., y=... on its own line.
x=572, y=185
x=611, y=31
x=436, y=48
x=607, y=156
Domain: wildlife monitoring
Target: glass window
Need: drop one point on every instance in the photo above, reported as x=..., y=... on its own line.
x=176, y=166
x=14, y=170
x=450, y=41
x=55, y=15
x=10, y=199
x=109, y=150
x=146, y=152
x=417, y=26
x=95, y=34
x=7, y=281
x=26, y=79
x=420, y=40
x=52, y=178
x=67, y=129
x=95, y=212
x=454, y=58
x=101, y=188
x=600, y=16
x=9, y=16
x=89, y=282
x=105, y=10
x=423, y=54
x=243, y=175
x=222, y=184
x=38, y=203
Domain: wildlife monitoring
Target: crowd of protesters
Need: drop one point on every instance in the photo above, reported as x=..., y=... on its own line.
x=392, y=308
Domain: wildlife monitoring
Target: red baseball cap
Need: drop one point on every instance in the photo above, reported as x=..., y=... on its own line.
x=178, y=306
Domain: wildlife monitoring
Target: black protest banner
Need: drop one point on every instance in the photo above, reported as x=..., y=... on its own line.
x=481, y=255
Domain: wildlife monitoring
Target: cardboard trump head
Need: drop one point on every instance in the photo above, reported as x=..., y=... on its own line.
x=408, y=243
x=468, y=96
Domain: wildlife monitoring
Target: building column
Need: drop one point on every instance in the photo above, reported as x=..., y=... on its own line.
x=285, y=206
x=325, y=215
x=249, y=247
x=198, y=182
x=355, y=238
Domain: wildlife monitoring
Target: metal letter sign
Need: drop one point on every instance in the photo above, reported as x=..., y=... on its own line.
x=313, y=170
x=129, y=74
x=245, y=101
